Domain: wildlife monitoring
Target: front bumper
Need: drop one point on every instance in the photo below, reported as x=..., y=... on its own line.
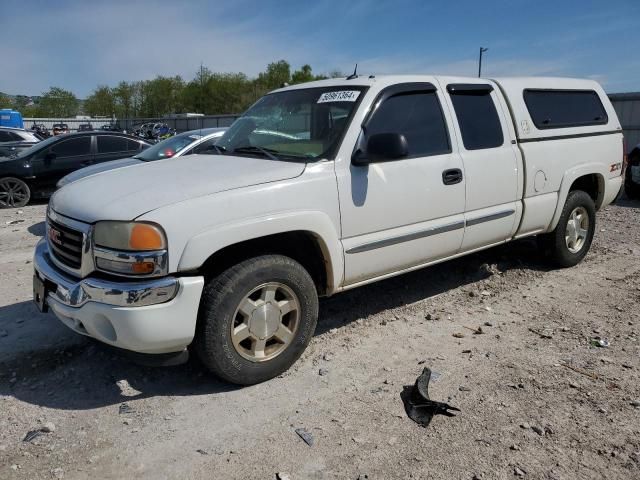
x=151, y=316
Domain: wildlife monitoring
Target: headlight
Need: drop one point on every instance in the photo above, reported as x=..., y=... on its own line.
x=130, y=248
x=130, y=236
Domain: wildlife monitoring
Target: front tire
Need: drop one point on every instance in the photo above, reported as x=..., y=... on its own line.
x=14, y=193
x=570, y=241
x=256, y=318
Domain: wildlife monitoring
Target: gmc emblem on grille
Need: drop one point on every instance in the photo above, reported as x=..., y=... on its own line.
x=54, y=236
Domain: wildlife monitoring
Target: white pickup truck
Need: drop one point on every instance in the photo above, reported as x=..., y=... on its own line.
x=316, y=189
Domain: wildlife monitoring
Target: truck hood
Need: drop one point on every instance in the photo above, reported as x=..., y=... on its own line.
x=126, y=193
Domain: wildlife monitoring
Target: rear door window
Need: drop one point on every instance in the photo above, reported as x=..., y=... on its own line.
x=564, y=108
x=112, y=144
x=477, y=116
x=73, y=147
x=416, y=115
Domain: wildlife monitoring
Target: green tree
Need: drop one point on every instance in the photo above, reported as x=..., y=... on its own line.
x=123, y=96
x=101, y=102
x=275, y=76
x=58, y=102
x=5, y=101
x=138, y=98
x=217, y=93
x=164, y=95
x=303, y=75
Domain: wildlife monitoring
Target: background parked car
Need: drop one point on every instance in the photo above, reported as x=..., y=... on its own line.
x=35, y=171
x=194, y=141
x=60, y=128
x=14, y=140
x=111, y=127
x=85, y=127
x=632, y=175
x=41, y=130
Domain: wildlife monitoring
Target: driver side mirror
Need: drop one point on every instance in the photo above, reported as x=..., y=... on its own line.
x=382, y=147
x=49, y=157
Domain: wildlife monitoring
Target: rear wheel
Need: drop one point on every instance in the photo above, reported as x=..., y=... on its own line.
x=256, y=318
x=13, y=193
x=570, y=241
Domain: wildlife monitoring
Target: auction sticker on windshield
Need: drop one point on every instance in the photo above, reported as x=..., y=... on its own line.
x=342, y=96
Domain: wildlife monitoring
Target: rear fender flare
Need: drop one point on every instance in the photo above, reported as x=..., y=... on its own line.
x=571, y=176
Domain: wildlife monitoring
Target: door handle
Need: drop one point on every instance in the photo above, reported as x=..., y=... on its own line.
x=452, y=176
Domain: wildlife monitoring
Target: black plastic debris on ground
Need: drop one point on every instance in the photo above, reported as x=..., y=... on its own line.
x=419, y=407
x=32, y=435
x=305, y=435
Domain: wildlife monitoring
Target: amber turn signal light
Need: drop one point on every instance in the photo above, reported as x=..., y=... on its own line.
x=142, y=268
x=145, y=237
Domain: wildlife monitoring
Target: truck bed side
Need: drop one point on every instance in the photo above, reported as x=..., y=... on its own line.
x=555, y=158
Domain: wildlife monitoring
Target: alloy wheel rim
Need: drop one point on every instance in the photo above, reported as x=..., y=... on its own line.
x=265, y=322
x=12, y=193
x=577, y=229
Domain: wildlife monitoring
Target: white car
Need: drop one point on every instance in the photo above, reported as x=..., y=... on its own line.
x=320, y=188
x=187, y=143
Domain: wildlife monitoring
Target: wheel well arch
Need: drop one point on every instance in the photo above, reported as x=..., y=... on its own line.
x=302, y=246
x=593, y=185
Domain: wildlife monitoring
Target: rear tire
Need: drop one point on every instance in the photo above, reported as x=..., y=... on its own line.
x=570, y=241
x=256, y=318
x=14, y=193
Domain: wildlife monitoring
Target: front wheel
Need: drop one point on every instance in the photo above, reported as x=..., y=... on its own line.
x=13, y=193
x=256, y=318
x=570, y=241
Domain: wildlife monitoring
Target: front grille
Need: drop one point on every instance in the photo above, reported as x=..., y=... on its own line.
x=65, y=243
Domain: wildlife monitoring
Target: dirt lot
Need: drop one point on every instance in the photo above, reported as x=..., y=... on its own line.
x=537, y=399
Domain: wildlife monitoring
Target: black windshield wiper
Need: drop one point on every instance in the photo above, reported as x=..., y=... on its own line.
x=267, y=152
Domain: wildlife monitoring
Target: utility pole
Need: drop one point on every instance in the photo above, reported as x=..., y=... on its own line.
x=482, y=50
x=201, y=88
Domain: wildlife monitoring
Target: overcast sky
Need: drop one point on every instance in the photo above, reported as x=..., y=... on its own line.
x=78, y=45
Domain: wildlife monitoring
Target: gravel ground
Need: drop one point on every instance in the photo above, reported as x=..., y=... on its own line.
x=537, y=398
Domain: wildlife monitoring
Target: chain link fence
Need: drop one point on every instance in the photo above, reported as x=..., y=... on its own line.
x=180, y=123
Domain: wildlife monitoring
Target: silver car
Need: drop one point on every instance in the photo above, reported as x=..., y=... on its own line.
x=193, y=141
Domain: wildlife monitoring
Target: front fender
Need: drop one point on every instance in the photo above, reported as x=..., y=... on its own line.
x=199, y=248
x=571, y=176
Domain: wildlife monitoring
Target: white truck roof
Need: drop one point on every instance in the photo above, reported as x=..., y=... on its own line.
x=511, y=87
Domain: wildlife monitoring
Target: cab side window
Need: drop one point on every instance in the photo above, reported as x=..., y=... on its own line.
x=112, y=144
x=477, y=116
x=416, y=115
x=73, y=147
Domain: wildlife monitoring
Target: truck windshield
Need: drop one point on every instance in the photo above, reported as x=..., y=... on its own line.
x=304, y=124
